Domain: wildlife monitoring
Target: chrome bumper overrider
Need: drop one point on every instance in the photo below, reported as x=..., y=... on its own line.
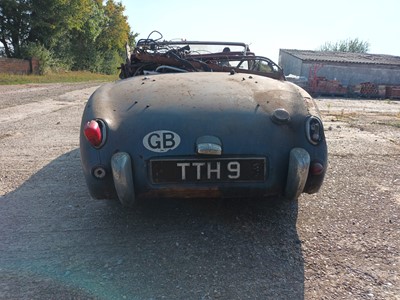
x=123, y=179
x=299, y=163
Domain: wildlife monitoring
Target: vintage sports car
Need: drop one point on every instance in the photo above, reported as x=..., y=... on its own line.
x=201, y=119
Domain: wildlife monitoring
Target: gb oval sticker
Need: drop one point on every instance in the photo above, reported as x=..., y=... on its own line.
x=161, y=141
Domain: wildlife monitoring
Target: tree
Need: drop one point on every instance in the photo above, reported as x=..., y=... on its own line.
x=83, y=41
x=52, y=21
x=115, y=34
x=348, y=45
x=116, y=30
x=71, y=34
x=14, y=25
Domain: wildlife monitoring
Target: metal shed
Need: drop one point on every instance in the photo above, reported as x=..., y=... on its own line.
x=342, y=73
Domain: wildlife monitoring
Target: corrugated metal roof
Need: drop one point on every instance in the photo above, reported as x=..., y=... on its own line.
x=344, y=57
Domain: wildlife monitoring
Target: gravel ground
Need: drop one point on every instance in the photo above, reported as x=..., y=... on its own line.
x=57, y=243
x=350, y=231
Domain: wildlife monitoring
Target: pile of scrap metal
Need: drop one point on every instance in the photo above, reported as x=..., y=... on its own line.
x=325, y=87
x=156, y=56
x=372, y=90
x=393, y=92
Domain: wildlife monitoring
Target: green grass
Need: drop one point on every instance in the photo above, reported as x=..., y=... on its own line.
x=75, y=76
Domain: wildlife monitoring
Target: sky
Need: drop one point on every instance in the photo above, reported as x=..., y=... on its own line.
x=268, y=26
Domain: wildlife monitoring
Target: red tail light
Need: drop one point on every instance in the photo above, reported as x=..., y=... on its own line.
x=93, y=133
x=316, y=168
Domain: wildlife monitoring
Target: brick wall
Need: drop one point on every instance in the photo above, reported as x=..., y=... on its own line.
x=19, y=66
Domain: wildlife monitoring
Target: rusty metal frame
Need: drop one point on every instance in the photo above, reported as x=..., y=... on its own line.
x=152, y=54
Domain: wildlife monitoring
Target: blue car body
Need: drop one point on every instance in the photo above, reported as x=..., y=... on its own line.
x=188, y=125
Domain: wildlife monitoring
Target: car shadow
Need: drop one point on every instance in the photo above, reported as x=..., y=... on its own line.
x=56, y=241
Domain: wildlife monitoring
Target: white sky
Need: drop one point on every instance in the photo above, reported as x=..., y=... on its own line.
x=270, y=25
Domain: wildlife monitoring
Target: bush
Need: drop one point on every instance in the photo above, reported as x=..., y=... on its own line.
x=111, y=61
x=92, y=60
x=47, y=59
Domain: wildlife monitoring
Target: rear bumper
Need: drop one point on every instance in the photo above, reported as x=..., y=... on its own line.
x=122, y=173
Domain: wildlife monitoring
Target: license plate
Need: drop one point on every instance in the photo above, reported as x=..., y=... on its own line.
x=208, y=170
